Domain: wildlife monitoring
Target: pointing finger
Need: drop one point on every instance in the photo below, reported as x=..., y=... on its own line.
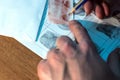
x=81, y=35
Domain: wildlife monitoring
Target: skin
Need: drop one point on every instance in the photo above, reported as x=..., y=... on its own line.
x=74, y=61
x=77, y=61
x=114, y=62
x=100, y=7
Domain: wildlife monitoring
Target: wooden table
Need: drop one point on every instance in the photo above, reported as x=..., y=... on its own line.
x=16, y=61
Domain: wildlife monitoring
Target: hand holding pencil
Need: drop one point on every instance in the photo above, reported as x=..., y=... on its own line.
x=100, y=7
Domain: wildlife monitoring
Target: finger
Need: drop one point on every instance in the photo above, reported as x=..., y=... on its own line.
x=67, y=76
x=57, y=64
x=88, y=7
x=106, y=9
x=114, y=61
x=43, y=70
x=99, y=11
x=67, y=47
x=81, y=35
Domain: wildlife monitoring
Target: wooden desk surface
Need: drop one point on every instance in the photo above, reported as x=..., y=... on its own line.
x=16, y=61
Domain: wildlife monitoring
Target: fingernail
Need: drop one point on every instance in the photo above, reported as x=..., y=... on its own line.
x=43, y=61
x=75, y=23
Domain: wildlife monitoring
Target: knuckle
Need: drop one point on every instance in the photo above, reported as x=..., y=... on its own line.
x=55, y=57
x=84, y=47
x=82, y=29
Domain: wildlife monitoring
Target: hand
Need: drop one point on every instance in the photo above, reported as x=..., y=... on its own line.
x=99, y=6
x=71, y=61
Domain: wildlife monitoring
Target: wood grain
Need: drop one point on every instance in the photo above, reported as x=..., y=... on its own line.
x=16, y=61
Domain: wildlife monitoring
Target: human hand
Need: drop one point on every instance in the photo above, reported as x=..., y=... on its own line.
x=71, y=61
x=100, y=7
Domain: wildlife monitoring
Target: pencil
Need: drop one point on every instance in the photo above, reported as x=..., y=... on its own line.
x=77, y=6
